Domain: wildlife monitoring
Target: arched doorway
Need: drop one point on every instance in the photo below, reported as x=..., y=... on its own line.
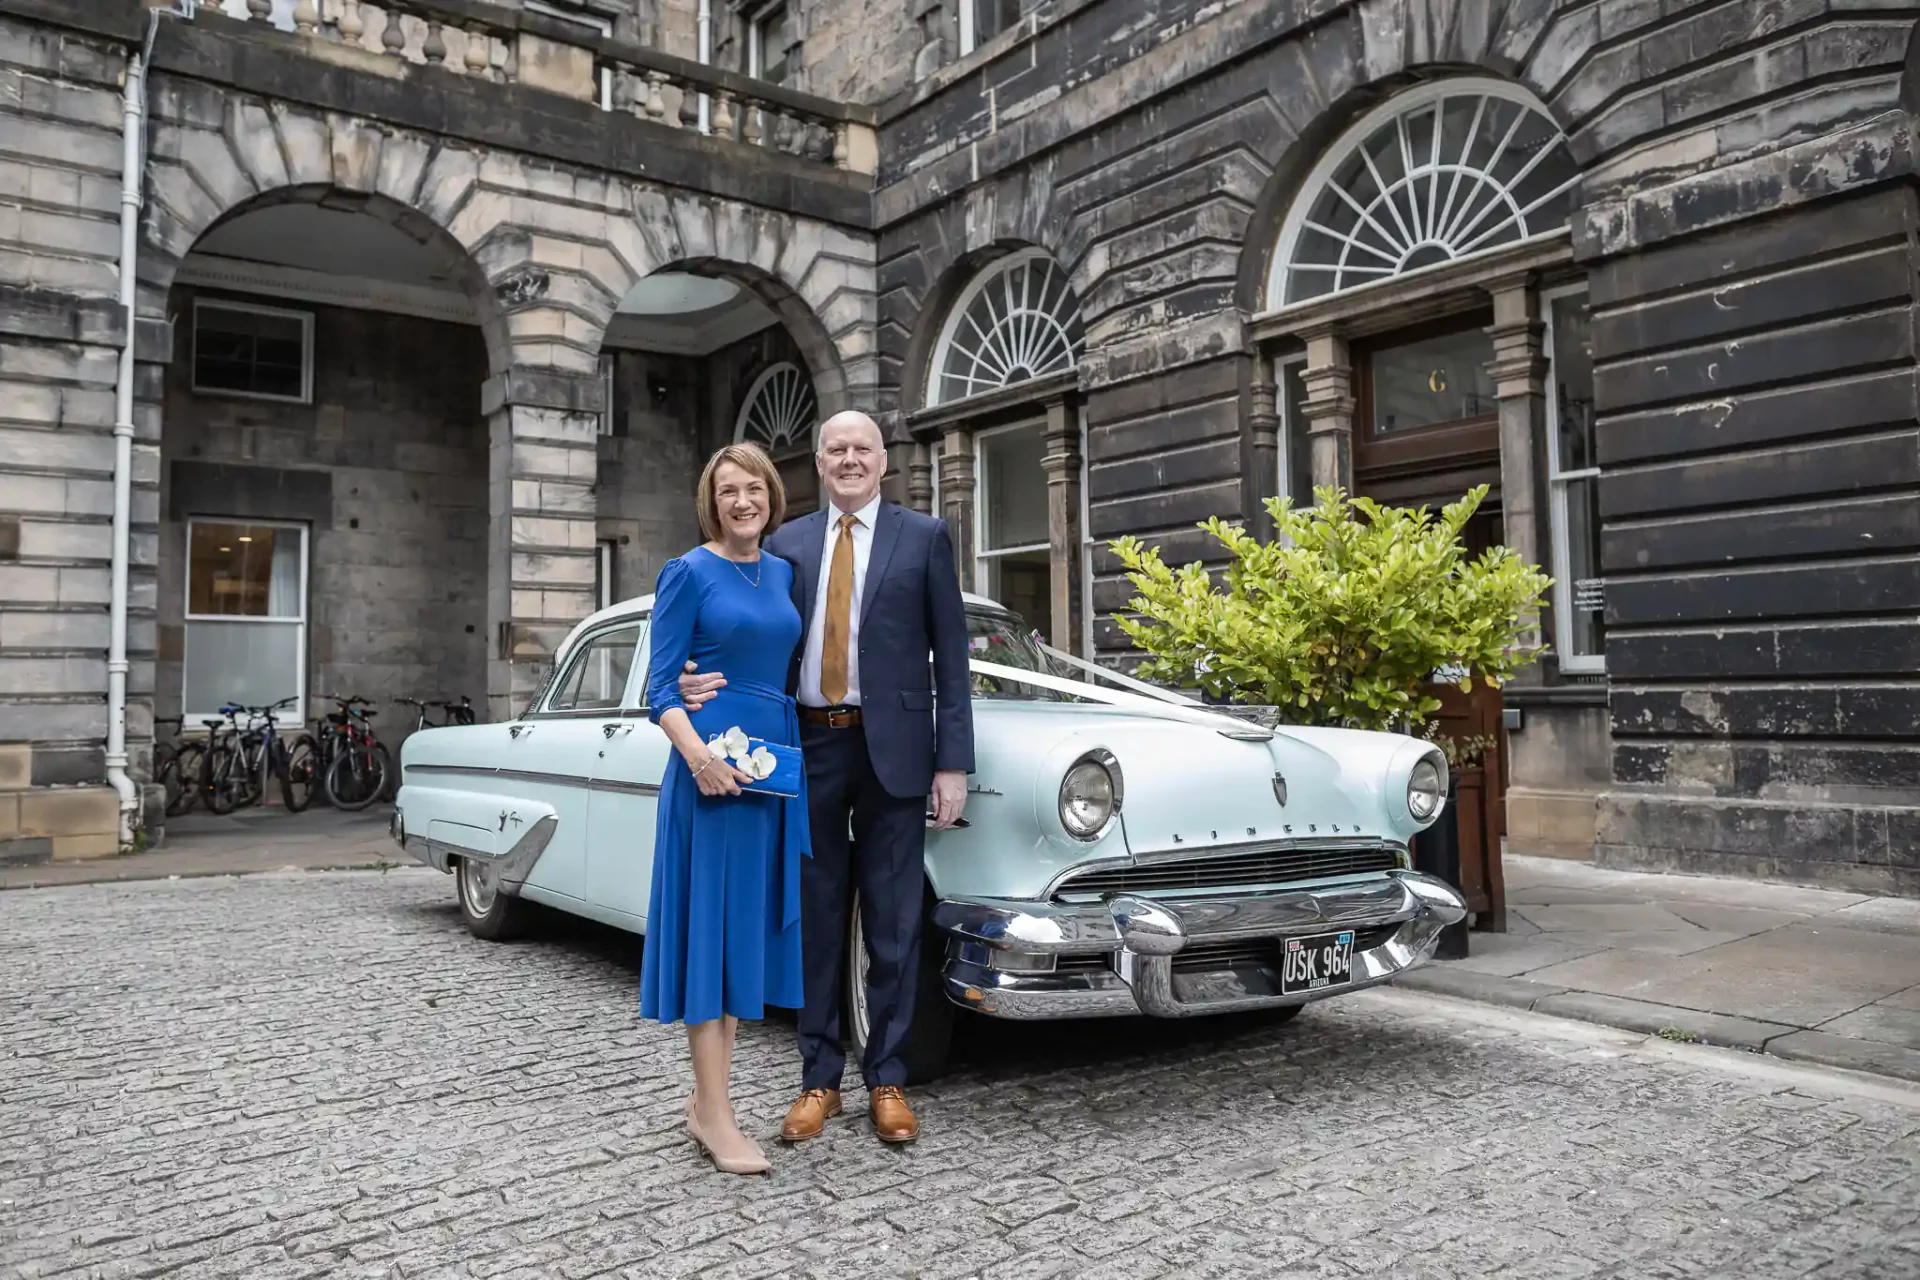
x=324, y=463
x=697, y=355
x=1425, y=333
x=1000, y=410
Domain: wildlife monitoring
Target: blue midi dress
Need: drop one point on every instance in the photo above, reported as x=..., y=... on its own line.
x=723, y=921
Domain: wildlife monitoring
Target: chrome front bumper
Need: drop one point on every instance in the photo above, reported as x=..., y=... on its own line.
x=1177, y=957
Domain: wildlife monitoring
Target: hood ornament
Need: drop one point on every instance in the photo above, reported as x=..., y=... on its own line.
x=1280, y=789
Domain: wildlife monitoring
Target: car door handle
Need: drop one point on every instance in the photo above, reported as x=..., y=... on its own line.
x=518, y=731
x=608, y=730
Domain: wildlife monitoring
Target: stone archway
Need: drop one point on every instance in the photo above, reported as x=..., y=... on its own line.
x=552, y=249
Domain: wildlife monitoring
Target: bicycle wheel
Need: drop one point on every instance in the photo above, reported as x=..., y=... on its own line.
x=248, y=764
x=299, y=773
x=389, y=774
x=218, y=788
x=187, y=763
x=355, y=778
x=166, y=772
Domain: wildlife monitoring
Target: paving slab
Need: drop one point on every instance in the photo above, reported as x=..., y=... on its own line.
x=1801, y=975
x=1508, y=954
x=1846, y=1051
x=1908, y=999
x=1664, y=942
x=1741, y=921
x=1607, y=917
x=1881, y=1022
x=1688, y=1025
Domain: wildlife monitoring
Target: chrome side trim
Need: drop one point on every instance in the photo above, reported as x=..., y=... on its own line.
x=624, y=788
x=534, y=775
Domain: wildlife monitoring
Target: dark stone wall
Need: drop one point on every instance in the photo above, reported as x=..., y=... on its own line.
x=1761, y=503
x=387, y=468
x=1743, y=219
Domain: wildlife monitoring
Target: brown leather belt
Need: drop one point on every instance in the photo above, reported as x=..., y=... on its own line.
x=832, y=717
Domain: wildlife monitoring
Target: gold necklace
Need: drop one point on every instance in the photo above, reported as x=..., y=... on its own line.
x=759, y=569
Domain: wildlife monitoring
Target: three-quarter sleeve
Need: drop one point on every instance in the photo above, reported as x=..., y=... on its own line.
x=676, y=605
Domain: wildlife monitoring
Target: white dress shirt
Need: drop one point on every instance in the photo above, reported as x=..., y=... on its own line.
x=862, y=532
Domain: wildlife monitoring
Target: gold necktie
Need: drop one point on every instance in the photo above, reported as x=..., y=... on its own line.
x=833, y=649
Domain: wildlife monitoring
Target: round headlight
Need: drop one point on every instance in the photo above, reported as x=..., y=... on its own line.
x=1089, y=794
x=1427, y=788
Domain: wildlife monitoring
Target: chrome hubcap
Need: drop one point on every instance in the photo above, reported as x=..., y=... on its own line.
x=479, y=885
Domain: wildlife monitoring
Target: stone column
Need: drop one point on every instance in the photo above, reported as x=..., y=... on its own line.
x=1062, y=464
x=1263, y=446
x=542, y=461
x=1519, y=371
x=920, y=477
x=956, y=498
x=1329, y=408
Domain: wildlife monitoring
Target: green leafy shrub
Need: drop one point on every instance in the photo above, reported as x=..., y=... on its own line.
x=1344, y=618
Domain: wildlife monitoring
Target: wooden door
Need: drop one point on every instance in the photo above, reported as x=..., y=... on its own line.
x=1431, y=463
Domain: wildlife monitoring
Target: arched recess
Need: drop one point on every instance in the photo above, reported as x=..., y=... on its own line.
x=802, y=322
x=997, y=389
x=1016, y=321
x=323, y=461
x=779, y=412
x=1433, y=175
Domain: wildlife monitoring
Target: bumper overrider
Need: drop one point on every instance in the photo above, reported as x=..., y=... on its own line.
x=1182, y=957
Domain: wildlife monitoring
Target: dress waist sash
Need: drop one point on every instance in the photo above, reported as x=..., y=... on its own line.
x=795, y=823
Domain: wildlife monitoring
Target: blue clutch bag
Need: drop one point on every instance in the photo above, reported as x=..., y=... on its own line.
x=775, y=769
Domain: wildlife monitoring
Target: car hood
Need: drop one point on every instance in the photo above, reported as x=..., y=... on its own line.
x=1187, y=787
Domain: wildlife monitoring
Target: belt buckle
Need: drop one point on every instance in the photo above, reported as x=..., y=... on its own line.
x=840, y=718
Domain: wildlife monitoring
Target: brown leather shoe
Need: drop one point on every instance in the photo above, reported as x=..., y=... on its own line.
x=809, y=1115
x=893, y=1119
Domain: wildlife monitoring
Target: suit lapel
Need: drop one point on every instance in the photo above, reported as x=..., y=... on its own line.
x=813, y=531
x=886, y=536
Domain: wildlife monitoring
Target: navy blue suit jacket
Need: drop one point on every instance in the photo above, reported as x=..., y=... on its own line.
x=910, y=608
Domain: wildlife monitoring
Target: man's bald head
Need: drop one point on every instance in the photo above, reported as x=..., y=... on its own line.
x=851, y=420
x=852, y=459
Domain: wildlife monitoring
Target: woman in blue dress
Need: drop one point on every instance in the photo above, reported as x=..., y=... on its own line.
x=723, y=925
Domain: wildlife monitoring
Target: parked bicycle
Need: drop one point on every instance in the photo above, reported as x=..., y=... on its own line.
x=176, y=765
x=355, y=766
x=239, y=760
x=460, y=712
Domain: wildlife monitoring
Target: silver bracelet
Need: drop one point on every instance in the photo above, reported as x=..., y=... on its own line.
x=708, y=765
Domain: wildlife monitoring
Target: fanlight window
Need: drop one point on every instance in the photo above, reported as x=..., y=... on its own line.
x=779, y=412
x=1017, y=321
x=1444, y=171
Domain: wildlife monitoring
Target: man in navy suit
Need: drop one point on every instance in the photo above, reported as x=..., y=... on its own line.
x=877, y=591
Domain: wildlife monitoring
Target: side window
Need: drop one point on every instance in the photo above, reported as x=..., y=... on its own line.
x=643, y=661
x=596, y=679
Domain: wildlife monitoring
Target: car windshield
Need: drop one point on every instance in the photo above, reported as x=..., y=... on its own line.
x=1000, y=637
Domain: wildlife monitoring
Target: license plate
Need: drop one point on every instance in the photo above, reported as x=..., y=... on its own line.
x=1315, y=964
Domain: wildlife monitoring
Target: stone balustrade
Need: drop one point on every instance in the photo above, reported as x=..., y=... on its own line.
x=498, y=40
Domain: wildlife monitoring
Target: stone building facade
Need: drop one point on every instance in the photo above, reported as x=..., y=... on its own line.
x=1101, y=267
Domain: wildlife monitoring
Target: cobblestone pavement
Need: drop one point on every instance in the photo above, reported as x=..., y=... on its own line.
x=321, y=1074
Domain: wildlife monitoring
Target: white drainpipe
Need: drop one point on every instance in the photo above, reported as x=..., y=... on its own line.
x=703, y=25
x=132, y=175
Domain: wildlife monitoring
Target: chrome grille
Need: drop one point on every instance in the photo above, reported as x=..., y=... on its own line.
x=1258, y=953
x=1228, y=869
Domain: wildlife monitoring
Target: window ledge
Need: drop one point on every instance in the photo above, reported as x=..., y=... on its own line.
x=1430, y=292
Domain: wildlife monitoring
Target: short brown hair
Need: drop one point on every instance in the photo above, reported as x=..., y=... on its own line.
x=753, y=460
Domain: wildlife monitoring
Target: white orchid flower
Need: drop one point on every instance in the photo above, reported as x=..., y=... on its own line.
x=761, y=764
x=733, y=744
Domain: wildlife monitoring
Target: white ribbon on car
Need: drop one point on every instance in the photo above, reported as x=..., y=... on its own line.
x=1160, y=704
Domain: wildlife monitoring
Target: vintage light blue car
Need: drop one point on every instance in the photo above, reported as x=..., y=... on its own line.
x=1126, y=850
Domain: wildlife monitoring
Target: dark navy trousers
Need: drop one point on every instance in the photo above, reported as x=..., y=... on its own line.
x=885, y=862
